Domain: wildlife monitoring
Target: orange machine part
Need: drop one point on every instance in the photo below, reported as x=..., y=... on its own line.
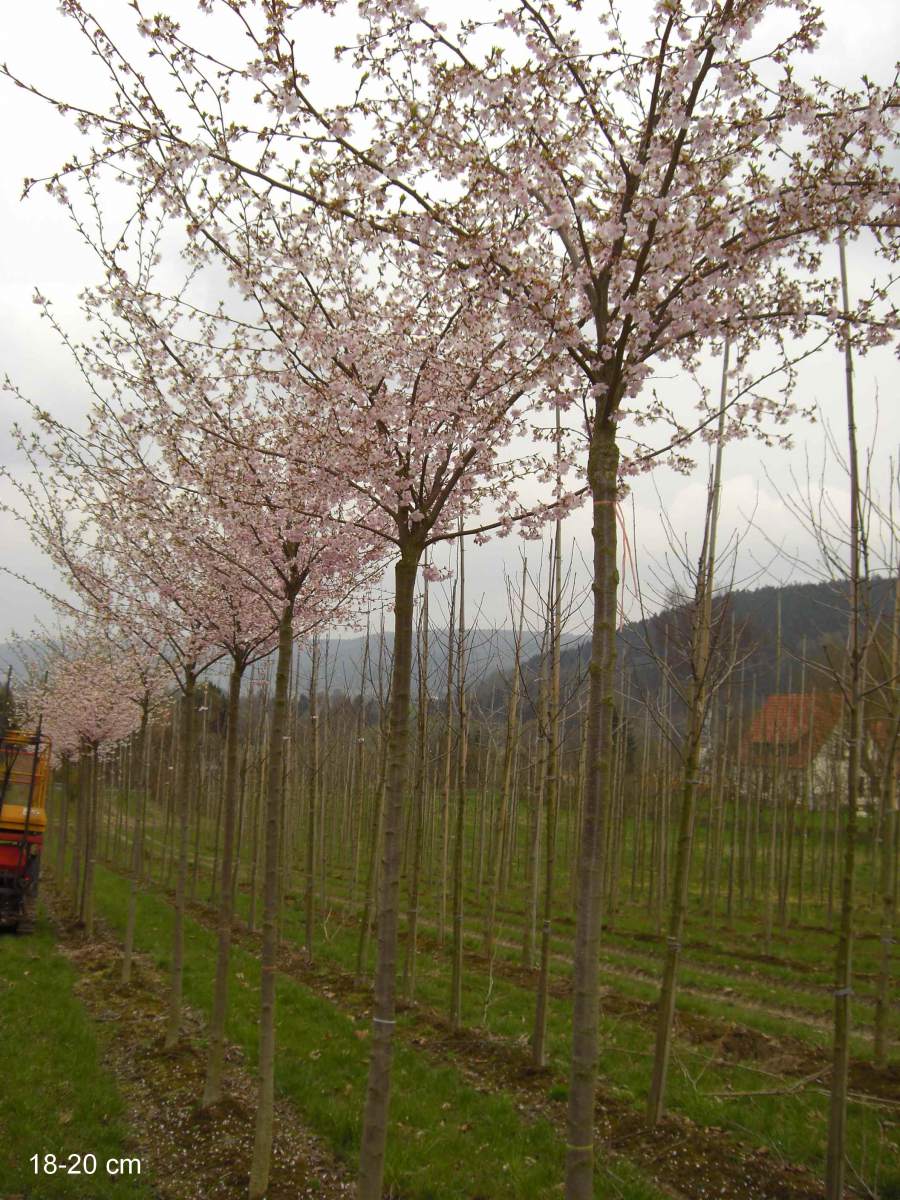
x=17, y=767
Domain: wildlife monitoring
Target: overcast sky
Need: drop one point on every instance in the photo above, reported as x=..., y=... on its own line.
x=40, y=250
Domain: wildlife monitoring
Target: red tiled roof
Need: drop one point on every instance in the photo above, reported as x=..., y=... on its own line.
x=798, y=723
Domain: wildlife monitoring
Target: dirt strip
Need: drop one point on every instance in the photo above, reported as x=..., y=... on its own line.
x=188, y=1154
x=728, y=1042
x=743, y=972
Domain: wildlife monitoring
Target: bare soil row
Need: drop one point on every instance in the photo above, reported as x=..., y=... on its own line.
x=190, y=1154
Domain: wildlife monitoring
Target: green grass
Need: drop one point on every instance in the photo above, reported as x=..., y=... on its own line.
x=55, y=1096
x=447, y=1140
x=731, y=995
x=729, y=998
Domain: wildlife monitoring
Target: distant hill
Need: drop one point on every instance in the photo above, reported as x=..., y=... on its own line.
x=813, y=616
x=490, y=655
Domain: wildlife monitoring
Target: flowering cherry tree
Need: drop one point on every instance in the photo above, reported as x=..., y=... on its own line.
x=383, y=403
x=676, y=194
x=419, y=385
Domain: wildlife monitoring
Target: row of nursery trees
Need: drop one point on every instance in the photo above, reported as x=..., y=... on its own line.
x=330, y=337
x=510, y=750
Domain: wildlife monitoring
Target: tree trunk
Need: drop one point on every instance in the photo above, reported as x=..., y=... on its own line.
x=887, y=820
x=90, y=849
x=313, y=808
x=551, y=806
x=536, y=790
x=201, y=792
x=456, y=975
x=375, y=1113
x=63, y=826
x=412, y=912
x=362, y=948
x=212, y=1088
x=602, y=477
x=680, y=883
x=185, y=773
x=698, y=703
x=140, y=813
x=359, y=783
x=840, y=1070
x=506, y=784
x=265, y=1105
x=448, y=773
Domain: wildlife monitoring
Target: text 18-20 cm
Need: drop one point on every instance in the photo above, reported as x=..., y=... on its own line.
x=84, y=1164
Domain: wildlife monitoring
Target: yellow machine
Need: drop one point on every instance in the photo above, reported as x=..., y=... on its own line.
x=24, y=781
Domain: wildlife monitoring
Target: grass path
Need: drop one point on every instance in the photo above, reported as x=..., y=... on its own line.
x=56, y=1096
